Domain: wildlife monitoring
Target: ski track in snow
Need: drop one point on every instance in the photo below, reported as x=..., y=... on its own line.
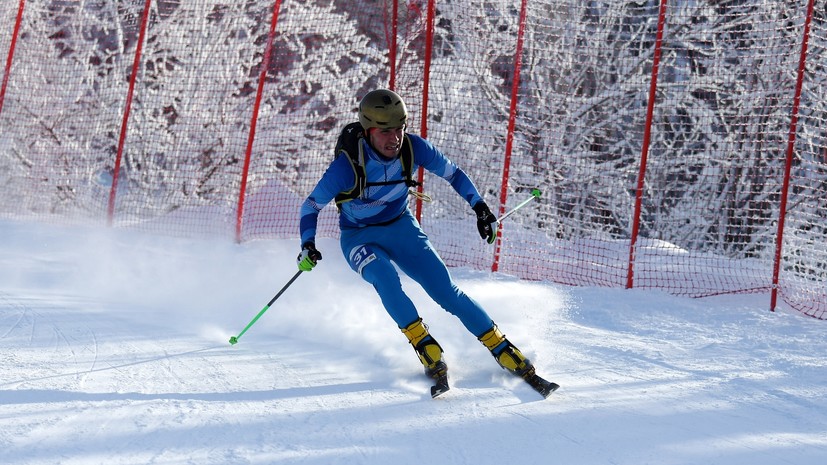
x=113, y=350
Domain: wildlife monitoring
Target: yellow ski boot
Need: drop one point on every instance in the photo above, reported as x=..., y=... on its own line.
x=426, y=347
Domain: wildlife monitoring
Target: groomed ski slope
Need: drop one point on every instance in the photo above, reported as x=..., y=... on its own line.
x=113, y=350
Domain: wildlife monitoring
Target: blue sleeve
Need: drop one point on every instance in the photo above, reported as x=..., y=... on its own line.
x=338, y=177
x=433, y=160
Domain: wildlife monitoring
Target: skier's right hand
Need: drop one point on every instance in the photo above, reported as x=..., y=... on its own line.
x=308, y=257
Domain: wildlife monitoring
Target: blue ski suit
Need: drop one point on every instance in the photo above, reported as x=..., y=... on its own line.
x=378, y=228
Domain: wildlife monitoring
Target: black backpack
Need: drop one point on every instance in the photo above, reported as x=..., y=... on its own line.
x=349, y=144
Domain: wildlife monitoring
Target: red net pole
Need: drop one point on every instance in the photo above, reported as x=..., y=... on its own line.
x=265, y=64
x=10, y=56
x=426, y=78
x=647, y=137
x=393, y=46
x=782, y=213
x=136, y=63
x=509, y=139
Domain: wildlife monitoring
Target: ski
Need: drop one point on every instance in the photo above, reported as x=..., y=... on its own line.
x=440, y=387
x=544, y=387
x=538, y=383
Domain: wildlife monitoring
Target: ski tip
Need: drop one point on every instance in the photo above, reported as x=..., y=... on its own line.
x=551, y=388
x=438, y=391
x=441, y=387
x=541, y=385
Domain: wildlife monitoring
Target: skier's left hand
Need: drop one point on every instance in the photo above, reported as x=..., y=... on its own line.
x=486, y=222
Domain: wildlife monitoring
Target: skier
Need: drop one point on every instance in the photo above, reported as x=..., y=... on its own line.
x=371, y=188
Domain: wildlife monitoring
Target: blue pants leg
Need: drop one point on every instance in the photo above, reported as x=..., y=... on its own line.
x=370, y=252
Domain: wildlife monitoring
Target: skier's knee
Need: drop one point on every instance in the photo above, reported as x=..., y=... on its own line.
x=381, y=273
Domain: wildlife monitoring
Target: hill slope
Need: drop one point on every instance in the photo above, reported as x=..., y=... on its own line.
x=113, y=349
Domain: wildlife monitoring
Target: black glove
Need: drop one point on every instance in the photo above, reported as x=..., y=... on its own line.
x=308, y=257
x=486, y=222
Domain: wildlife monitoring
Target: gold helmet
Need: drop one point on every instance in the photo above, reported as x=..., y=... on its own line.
x=382, y=108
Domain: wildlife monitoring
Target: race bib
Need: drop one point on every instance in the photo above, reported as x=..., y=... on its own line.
x=361, y=256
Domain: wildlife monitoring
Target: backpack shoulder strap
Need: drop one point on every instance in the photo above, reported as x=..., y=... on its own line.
x=349, y=145
x=406, y=157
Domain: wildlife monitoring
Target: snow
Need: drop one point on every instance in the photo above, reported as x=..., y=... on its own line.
x=113, y=350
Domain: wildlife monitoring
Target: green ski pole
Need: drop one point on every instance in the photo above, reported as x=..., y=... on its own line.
x=535, y=193
x=234, y=339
